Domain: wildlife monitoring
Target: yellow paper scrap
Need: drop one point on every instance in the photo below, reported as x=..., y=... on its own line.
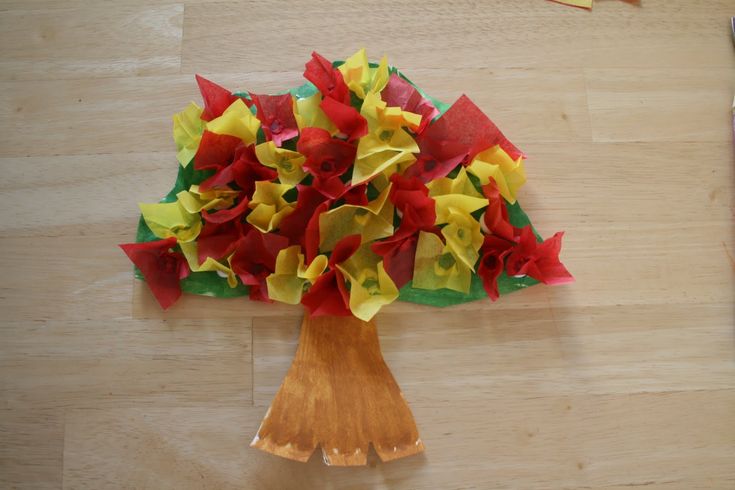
x=381, y=117
x=463, y=236
x=194, y=200
x=236, y=120
x=171, y=219
x=188, y=129
x=309, y=115
x=458, y=193
x=372, y=222
x=380, y=157
x=371, y=287
x=362, y=79
x=268, y=205
x=437, y=267
x=190, y=251
x=495, y=163
x=387, y=144
x=288, y=163
x=287, y=283
x=587, y=4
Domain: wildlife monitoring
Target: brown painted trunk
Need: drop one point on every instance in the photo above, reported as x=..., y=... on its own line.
x=338, y=394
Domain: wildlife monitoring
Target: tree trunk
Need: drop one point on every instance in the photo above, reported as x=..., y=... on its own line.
x=338, y=394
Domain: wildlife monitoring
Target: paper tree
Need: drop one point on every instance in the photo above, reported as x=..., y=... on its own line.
x=345, y=194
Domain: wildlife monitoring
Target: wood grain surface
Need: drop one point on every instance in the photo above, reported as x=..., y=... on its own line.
x=625, y=378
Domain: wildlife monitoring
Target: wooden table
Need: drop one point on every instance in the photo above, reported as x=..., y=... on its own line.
x=625, y=378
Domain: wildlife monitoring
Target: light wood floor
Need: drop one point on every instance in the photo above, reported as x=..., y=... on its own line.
x=625, y=378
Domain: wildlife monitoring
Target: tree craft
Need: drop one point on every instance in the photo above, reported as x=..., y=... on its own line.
x=345, y=194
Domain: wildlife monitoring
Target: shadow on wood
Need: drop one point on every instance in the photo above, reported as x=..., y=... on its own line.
x=338, y=394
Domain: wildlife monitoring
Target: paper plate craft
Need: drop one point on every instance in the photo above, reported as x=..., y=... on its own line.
x=343, y=195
